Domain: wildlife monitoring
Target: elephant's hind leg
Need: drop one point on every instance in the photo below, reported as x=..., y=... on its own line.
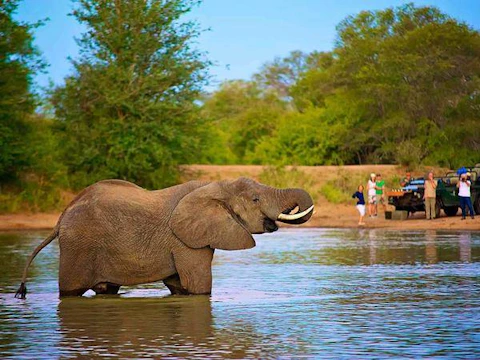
x=173, y=284
x=73, y=279
x=106, y=288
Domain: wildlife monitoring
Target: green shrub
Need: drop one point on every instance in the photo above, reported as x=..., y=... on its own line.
x=334, y=194
x=340, y=189
x=31, y=196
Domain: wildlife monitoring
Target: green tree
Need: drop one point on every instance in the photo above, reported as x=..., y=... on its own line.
x=299, y=139
x=412, y=67
x=19, y=61
x=282, y=73
x=129, y=109
x=314, y=84
x=243, y=114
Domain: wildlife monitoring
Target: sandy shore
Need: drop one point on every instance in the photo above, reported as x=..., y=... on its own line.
x=327, y=215
x=37, y=221
x=342, y=216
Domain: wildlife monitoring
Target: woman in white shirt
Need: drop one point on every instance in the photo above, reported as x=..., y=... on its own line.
x=464, y=195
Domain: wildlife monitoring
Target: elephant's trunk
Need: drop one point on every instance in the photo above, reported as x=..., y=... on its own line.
x=294, y=206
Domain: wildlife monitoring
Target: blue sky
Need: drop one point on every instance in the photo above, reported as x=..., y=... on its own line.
x=243, y=34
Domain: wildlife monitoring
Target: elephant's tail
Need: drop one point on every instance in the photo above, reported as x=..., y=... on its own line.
x=22, y=290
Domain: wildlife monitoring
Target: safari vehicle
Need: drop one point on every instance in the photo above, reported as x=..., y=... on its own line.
x=410, y=197
x=447, y=191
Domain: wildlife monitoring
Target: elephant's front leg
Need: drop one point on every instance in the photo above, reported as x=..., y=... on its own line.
x=194, y=267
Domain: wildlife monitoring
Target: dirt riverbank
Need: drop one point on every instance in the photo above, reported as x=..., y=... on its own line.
x=327, y=214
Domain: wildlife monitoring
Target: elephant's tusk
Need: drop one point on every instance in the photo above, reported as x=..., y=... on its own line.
x=295, y=216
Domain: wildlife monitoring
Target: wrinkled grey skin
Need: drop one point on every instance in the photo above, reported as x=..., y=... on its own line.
x=115, y=233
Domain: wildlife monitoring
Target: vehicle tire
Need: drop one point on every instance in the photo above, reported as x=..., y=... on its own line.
x=438, y=208
x=476, y=205
x=450, y=210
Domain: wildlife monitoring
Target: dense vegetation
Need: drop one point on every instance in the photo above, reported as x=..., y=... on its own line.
x=30, y=168
x=400, y=86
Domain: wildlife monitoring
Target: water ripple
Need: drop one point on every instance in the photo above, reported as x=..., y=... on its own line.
x=299, y=293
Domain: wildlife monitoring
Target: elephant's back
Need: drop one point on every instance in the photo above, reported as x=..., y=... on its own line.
x=112, y=201
x=107, y=205
x=116, y=182
x=113, y=205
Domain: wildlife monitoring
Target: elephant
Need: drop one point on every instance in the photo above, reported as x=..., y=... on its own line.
x=115, y=233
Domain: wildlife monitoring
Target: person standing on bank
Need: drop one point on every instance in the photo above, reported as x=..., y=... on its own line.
x=430, y=196
x=380, y=183
x=372, y=195
x=360, y=204
x=464, y=195
x=406, y=180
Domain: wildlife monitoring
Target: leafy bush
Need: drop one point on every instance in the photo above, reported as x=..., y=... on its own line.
x=340, y=189
x=31, y=196
x=334, y=194
x=37, y=187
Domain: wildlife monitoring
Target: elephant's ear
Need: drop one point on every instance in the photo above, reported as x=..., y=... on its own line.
x=203, y=218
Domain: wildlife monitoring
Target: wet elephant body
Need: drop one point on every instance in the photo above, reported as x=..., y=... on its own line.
x=116, y=233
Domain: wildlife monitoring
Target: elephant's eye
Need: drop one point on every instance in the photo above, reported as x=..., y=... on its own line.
x=256, y=199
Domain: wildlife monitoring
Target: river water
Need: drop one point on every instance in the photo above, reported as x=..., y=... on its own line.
x=308, y=293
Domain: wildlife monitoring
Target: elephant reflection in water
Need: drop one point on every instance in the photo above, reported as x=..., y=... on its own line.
x=133, y=327
x=126, y=327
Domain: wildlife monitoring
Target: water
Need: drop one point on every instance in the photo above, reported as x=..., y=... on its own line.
x=310, y=293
